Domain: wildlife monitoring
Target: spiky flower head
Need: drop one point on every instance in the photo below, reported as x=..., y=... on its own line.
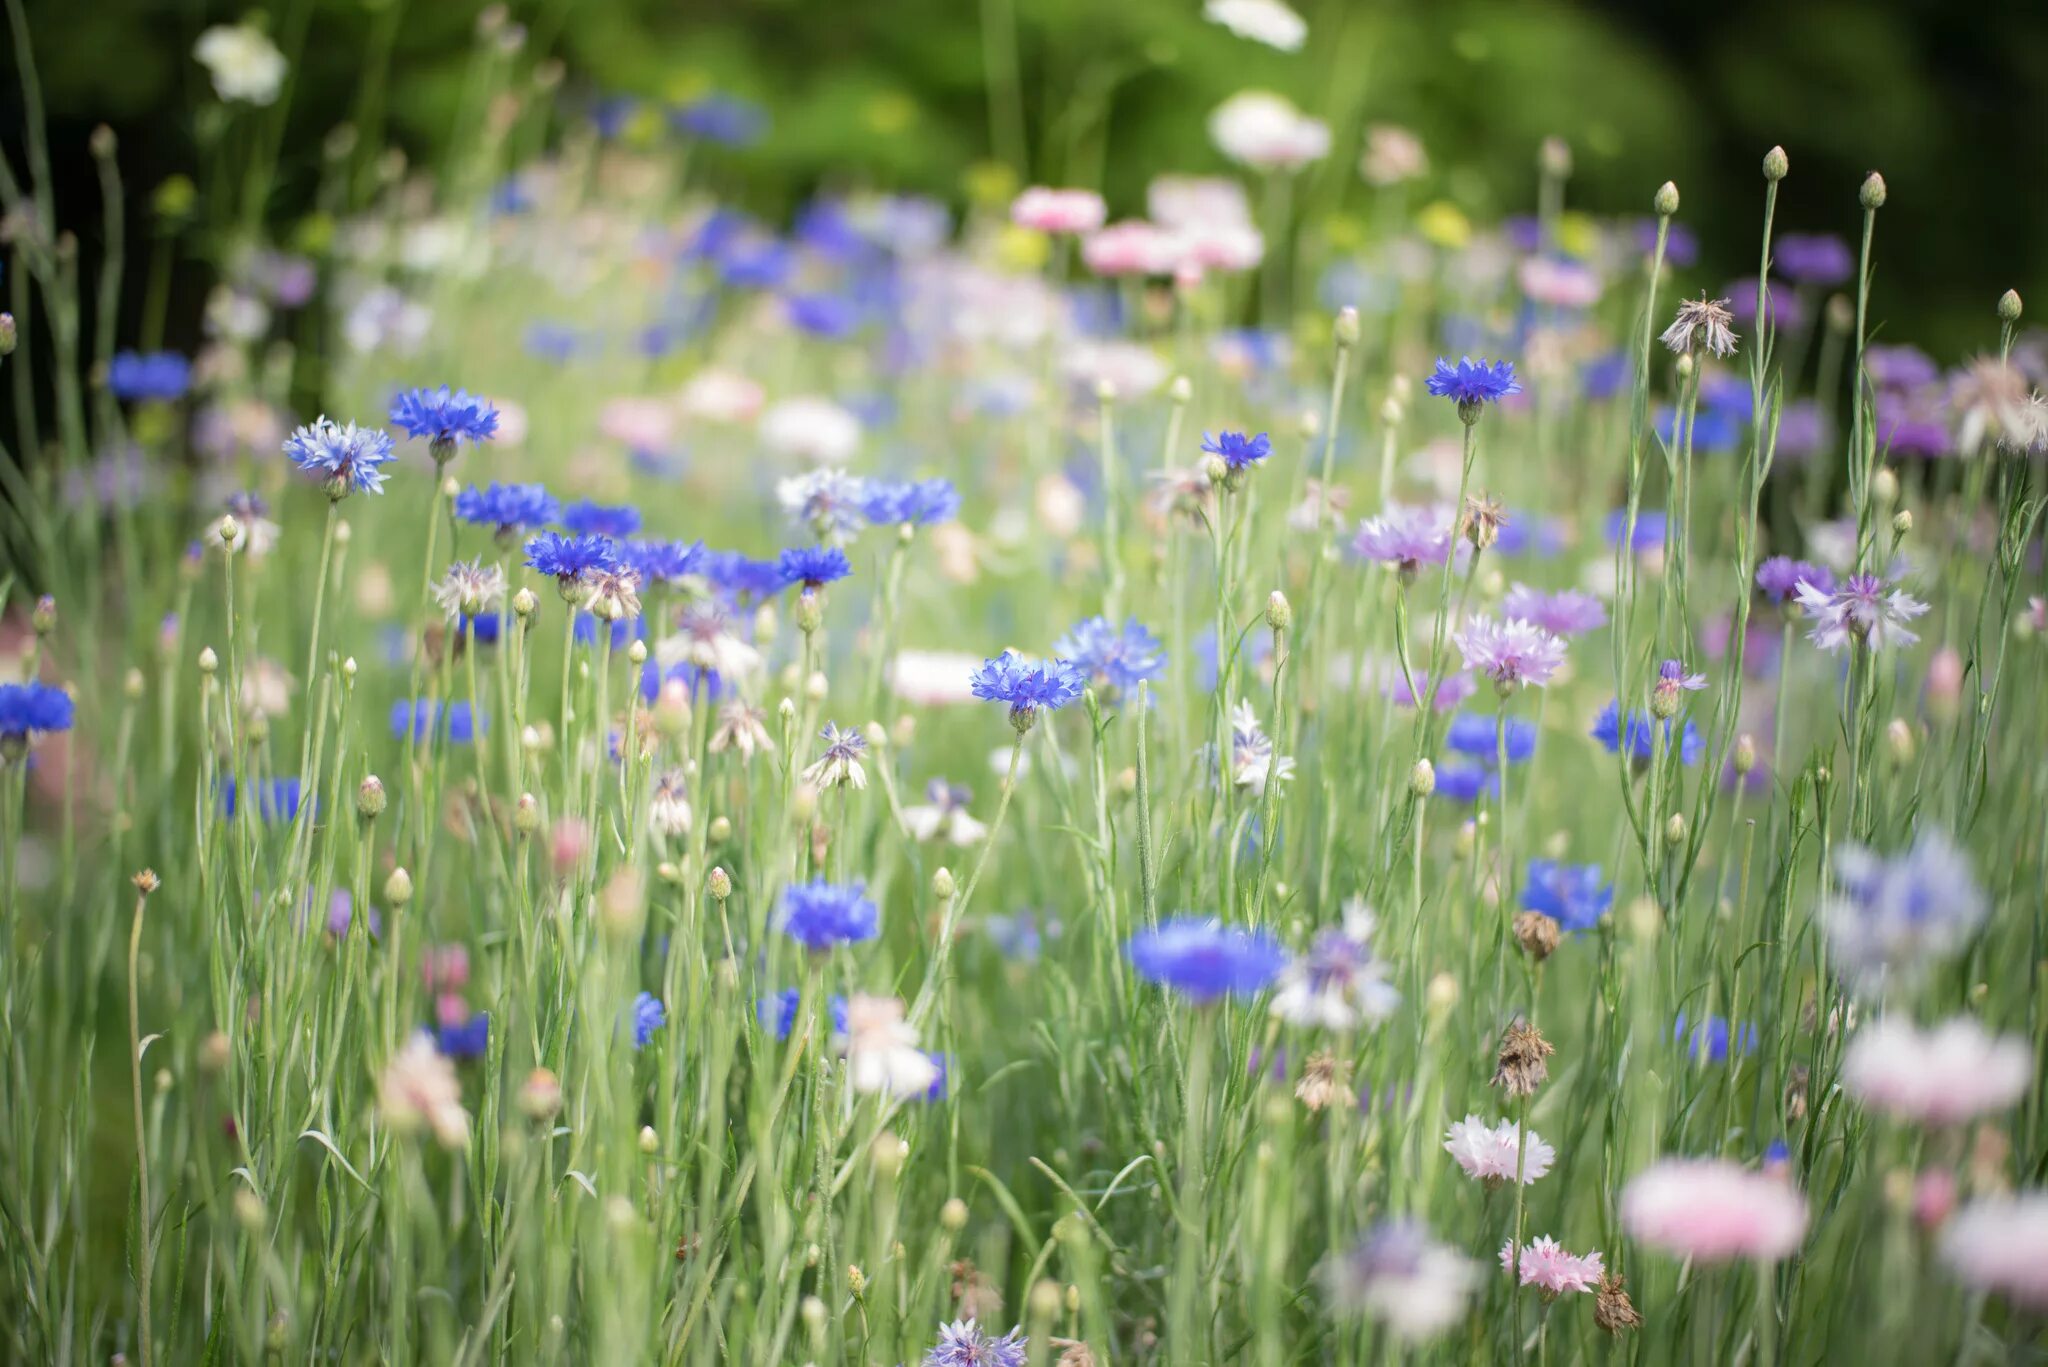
x=508, y=509
x=964, y=1343
x=1702, y=324
x=470, y=589
x=444, y=419
x=1027, y=687
x=1472, y=384
x=1513, y=653
x=347, y=458
x=1864, y=609
x=1520, y=1067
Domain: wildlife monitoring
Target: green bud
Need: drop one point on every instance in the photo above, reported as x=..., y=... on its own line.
x=1666, y=200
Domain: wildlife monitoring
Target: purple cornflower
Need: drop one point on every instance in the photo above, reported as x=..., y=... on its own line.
x=1116, y=658
x=1813, y=259
x=508, y=509
x=1891, y=917
x=915, y=503
x=1472, y=384
x=1239, y=451
x=586, y=518
x=1442, y=697
x=813, y=566
x=1026, y=687
x=1511, y=653
x=1899, y=367
x=819, y=915
x=1614, y=731
x=964, y=1344
x=1862, y=608
x=1572, y=895
x=570, y=558
x=1405, y=539
x=1671, y=681
x=444, y=418
x=1781, y=576
x=649, y=1015
x=347, y=458
x=148, y=376
x=1649, y=530
x=1205, y=960
x=1564, y=613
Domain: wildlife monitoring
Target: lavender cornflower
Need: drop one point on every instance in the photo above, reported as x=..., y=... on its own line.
x=1239, y=452
x=1567, y=612
x=508, y=509
x=1115, y=659
x=840, y=764
x=1253, y=759
x=1205, y=960
x=1472, y=384
x=913, y=503
x=1338, y=984
x=663, y=562
x=413, y=720
x=813, y=566
x=444, y=418
x=1890, y=918
x=617, y=521
x=570, y=558
x=470, y=589
x=649, y=1015
x=1443, y=697
x=1649, y=529
x=1027, y=687
x=1671, y=681
x=1404, y=539
x=1702, y=324
x=1813, y=259
x=1781, y=576
x=1403, y=1278
x=827, y=502
x=1471, y=733
x=1511, y=653
x=29, y=711
x=347, y=458
x=148, y=376
x=1863, y=608
x=1615, y=731
x=1572, y=895
x=819, y=915
x=963, y=1343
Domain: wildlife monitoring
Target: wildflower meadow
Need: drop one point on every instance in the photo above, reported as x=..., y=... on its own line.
x=599, y=775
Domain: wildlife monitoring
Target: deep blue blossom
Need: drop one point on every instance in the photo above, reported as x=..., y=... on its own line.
x=346, y=458
x=508, y=509
x=1471, y=733
x=649, y=1015
x=819, y=915
x=1118, y=658
x=1572, y=895
x=1204, y=960
x=918, y=502
x=1239, y=451
x=777, y=1011
x=1649, y=532
x=456, y=721
x=444, y=417
x=813, y=566
x=737, y=573
x=569, y=558
x=723, y=119
x=149, y=376
x=29, y=709
x=466, y=1039
x=830, y=316
x=1473, y=384
x=663, y=562
x=1612, y=730
x=1709, y=1041
x=276, y=800
x=1466, y=782
x=585, y=518
x=1026, y=687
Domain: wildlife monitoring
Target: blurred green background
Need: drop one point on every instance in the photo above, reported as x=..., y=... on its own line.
x=1950, y=102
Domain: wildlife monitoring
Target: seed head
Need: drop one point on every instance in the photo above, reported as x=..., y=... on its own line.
x=1612, y=1309
x=147, y=882
x=1520, y=1068
x=1537, y=934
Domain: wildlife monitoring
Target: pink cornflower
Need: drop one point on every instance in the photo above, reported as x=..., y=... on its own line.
x=1059, y=211
x=1564, y=613
x=1860, y=609
x=1547, y=1266
x=1713, y=1210
x=1953, y=1073
x=1132, y=247
x=1489, y=1152
x=1404, y=539
x=2000, y=1243
x=1511, y=653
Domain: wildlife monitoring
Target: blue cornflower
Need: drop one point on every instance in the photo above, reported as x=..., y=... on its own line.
x=830, y=316
x=1612, y=730
x=753, y=263
x=737, y=573
x=467, y=1040
x=1466, y=782
x=1710, y=1039
x=963, y=1343
x=942, y=1072
x=27, y=710
x=1713, y=429
x=1570, y=894
x=347, y=458
x=721, y=119
x=649, y=1015
x=555, y=342
x=1473, y=384
x=663, y=562
x=276, y=800
x=620, y=634
x=569, y=558
x=149, y=376
x=508, y=509
x=1026, y=687
x=1204, y=959
x=444, y=418
x=819, y=915
x=813, y=566
x=456, y=720
x=610, y=114
x=1117, y=658
x=1649, y=533
x=597, y=519
x=1892, y=916
x=1239, y=451
x=1780, y=577
x=1471, y=733
x=1604, y=376
x=777, y=1011
x=918, y=502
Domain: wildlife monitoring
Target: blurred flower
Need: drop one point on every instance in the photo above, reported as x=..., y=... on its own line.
x=148, y=377
x=244, y=65
x=1819, y=259
x=419, y=1089
x=1564, y=613
x=944, y=813
x=1392, y=155
x=1948, y=1075
x=813, y=429
x=508, y=509
x=1573, y=895
x=2000, y=1244
x=649, y=1015
x=1711, y=1040
x=586, y=518
x=819, y=915
x=1115, y=659
x=1058, y=211
x=1338, y=984
x=470, y=589
x=881, y=1049
x=1404, y=539
x=1712, y=1210
x=1264, y=131
x=1403, y=1278
x=1780, y=577
x=1473, y=734
x=1614, y=730
x=741, y=727
x=1263, y=21
x=723, y=119
x=1253, y=759
x=1205, y=960
x=829, y=503
x=913, y=503
x=720, y=396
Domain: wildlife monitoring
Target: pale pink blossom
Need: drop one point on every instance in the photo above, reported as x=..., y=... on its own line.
x=1547, y=1266
x=1264, y=131
x=640, y=423
x=419, y=1090
x=1181, y=202
x=1713, y=1210
x=811, y=428
x=881, y=1049
x=1059, y=211
x=1559, y=284
x=1934, y=1197
x=1131, y=247
x=2000, y=1243
x=1392, y=155
x=721, y=396
x=1955, y=1072
x=1490, y=1152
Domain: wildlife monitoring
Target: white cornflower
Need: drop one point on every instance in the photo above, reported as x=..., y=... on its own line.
x=881, y=1049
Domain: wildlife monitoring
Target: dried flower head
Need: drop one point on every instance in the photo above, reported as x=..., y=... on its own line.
x=1520, y=1069
x=1613, y=1311
x=1702, y=325
x=1537, y=934
x=1322, y=1082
